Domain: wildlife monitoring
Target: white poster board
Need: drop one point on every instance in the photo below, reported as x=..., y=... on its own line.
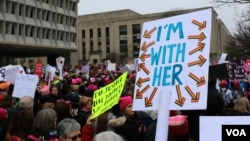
x=25, y=85
x=111, y=67
x=174, y=55
x=212, y=128
x=8, y=73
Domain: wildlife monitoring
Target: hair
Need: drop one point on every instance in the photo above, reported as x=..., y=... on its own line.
x=53, y=86
x=21, y=123
x=84, y=100
x=62, y=110
x=26, y=102
x=6, y=102
x=242, y=105
x=74, y=88
x=45, y=121
x=47, y=105
x=108, y=136
x=66, y=126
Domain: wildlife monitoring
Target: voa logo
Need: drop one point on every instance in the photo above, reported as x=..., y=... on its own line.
x=236, y=132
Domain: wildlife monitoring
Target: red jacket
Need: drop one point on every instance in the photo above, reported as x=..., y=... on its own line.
x=87, y=133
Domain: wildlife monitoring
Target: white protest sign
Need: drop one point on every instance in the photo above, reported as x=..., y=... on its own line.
x=9, y=72
x=224, y=128
x=60, y=63
x=223, y=58
x=50, y=72
x=2, y=74
x=174, y=55
x=136, y=63
x=111, y=66
x=25, y=85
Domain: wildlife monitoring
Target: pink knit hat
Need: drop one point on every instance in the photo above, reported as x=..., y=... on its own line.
x=124, y=102
x=223, y=83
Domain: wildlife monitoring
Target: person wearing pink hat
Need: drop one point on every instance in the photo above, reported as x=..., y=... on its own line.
x=226, y=93
x=128, y=125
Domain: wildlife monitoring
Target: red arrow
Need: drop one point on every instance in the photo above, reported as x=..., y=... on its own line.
x=139, y=93
x=145, y=46
x=199, y=47
x=148, y=34
x=148, y=102
x=195, y=98
x=144, y=56
x=181, y=100
x=200, y=37
x=200, y=62
x=201, y=25
x=142, y=66
x=140, y=81
x=200, y=81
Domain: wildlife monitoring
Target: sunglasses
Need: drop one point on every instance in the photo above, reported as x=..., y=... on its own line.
x=75, y=137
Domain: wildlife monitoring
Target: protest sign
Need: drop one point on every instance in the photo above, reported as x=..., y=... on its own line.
x=25, y=85
x=174, y=55
x=9, y=72
x=106, y=97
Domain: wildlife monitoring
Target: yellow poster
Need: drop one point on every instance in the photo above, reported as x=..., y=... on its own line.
x=108, y=96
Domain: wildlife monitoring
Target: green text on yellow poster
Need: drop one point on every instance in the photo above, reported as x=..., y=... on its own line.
x=106, y=97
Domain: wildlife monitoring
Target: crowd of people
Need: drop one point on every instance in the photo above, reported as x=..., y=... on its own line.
x=61, y=110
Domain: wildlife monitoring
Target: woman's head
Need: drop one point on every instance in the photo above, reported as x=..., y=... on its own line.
x=85, y=103
x=45, y=121
x=108, y=136
x=69, y=129
x=126, y=105
x=242, y=105
x=54, y=90
x=22, y=122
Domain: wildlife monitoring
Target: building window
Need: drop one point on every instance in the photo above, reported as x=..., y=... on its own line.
x=32, y=31
x=123, y=29
x=27, y=11
x=83, y=34
x=1, y=3
x=14, y=8
x=8, y=6
x=136, y=31
x=1, y=26
x=45, y=33
x=91, y=33
x=107, y=31
x=108, y=49
x=39, y=32
x=13, y=28
x=54, y=37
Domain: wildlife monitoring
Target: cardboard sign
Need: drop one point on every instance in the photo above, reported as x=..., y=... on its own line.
x=111, y=67
x=106, y=97
x=38, y=70
x=25, y=85
x=60, y=62
x=9, y=73
x=174, y=55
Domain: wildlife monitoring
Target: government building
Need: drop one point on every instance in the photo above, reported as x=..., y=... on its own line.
x=116, y=35
x=33, y=30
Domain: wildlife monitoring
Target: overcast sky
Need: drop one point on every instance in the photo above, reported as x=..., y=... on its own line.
x=228, y=14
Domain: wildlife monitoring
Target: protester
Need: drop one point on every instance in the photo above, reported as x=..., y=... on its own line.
x=128, y=125
x=69, y=129
x=44, y=127
x=26, y=102
x=108, y=136
x=20, y=125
